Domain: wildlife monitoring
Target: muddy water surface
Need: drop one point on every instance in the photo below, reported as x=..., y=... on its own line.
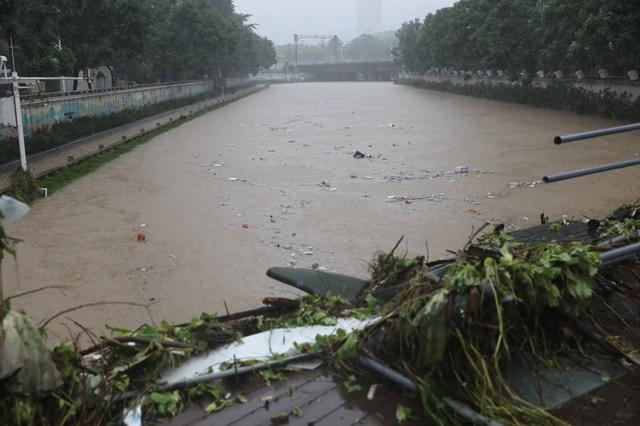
x=271, y=181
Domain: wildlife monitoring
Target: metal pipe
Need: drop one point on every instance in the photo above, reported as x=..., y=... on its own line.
x=616, y=240
x=596, y=133
x=620, y=255
x=387, y=372
x=469, y=414
x=618, y=260
x=403, y=381
x=591, y=170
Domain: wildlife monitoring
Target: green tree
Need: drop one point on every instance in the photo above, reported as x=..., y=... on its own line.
x=146, y=40
x=367, y=47
x=334, y=47
x=517, y=35
x=406, y=52
x=34, y=28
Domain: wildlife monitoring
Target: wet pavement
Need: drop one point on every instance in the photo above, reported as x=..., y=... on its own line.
x=271, y=180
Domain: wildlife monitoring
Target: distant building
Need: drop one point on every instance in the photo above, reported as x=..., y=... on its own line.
x=101, y=78
x=369, y=15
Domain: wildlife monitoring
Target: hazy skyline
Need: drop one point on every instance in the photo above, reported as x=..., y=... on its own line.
x=280, y=19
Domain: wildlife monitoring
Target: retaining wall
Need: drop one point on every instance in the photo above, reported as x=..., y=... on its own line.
x=632, y=88
x=45, y=112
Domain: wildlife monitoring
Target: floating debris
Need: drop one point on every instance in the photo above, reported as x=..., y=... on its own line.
x=514, y=185
x=411, y=198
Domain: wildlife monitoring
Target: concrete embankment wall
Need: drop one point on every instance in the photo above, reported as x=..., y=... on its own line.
x=632, y=88
x=45, y=112
x=619, y=99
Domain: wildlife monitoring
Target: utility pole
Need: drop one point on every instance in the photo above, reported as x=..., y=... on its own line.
x=296, y=39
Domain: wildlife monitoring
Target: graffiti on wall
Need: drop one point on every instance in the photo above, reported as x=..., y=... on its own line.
x=7, y=118
x=41, y=113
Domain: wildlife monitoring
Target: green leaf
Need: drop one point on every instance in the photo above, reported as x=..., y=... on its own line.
x=278, y=419
x=349, y=348
x=149, y=332
x=166, y=403
x=271, y=376
x=403, y=414
x=213, y=407
x=123, y=383
x=215, y=390
x=118, y=330
x=351, y=385
x=371, y=301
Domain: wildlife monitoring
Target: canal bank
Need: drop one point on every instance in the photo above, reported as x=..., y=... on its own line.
x=48, y=163
x=271, y=180
x=615, y=98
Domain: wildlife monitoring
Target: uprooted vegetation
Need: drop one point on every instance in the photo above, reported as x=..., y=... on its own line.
x=453, y=337
x=451, y=327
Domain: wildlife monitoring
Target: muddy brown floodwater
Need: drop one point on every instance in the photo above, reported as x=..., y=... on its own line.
x=228, y=195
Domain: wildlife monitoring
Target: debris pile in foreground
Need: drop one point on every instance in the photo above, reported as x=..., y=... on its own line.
x=450, y=328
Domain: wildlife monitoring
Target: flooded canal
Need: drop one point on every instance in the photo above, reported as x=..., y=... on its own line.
x=272, y=181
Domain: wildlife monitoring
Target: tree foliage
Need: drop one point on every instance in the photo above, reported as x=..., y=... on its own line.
x=367, y=47
x=145, y=40
x=516, y=35
x=327, y=51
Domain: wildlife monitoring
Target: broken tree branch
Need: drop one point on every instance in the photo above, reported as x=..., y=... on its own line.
x=38, y=290
x=122, y=341
x=89, y=305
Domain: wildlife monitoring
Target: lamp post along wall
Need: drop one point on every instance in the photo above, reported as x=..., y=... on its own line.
x=18, y=112
x=15, y=84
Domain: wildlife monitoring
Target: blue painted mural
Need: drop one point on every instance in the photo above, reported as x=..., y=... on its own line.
x=40, y=113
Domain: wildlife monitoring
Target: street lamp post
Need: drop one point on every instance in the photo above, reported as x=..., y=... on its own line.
x=18, y=111
x=15, y=82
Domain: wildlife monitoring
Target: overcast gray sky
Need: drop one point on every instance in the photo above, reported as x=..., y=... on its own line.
x=280, y=19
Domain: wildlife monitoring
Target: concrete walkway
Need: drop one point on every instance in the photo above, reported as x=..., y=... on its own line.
x=44, y=162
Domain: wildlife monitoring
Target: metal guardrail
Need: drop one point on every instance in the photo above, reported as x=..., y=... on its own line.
x=626, y=252
x=593, y=169
x=48, y=95
x=596, y=133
